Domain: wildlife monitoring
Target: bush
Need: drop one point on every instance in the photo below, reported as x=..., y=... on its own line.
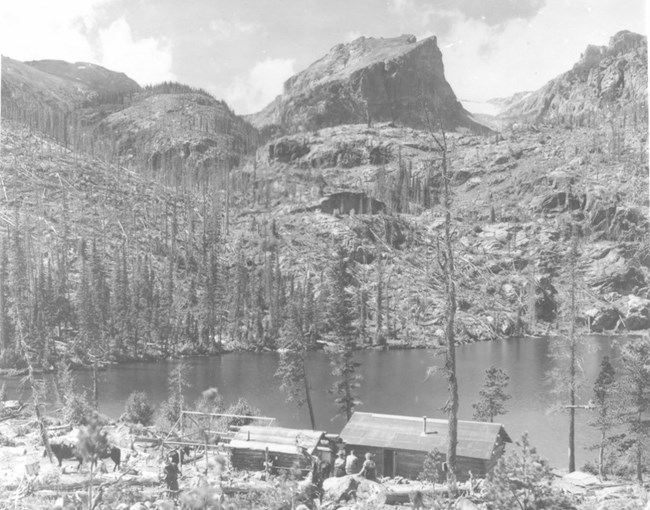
x=522, y=479
x=168, y=413
x=243, y=408
x=432, y=467
x=75, y=409
x=210, y=401
x=138, y=409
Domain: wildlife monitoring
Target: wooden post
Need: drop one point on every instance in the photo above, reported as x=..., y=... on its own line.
x=266, y=463
x=206, y=453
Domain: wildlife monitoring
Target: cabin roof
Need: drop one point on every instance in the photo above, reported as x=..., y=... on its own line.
x=276, y=439
x=475, y=439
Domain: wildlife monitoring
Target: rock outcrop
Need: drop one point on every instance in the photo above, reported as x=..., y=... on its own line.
x=370, y=79
x=613, y=76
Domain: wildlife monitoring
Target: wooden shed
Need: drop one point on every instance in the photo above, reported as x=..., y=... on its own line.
x=249, y=445
x=401, y=443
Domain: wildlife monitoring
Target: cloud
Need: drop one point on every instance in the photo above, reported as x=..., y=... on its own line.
x=483, y=61
x=147, y=60
x=497, y=12
x=351, y=36
x=400, y=6
x=71, y=30
x=260, y=86
x=40, y=29
x=224, y=29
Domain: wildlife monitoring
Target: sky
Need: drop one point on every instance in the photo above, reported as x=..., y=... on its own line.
x=242, y=51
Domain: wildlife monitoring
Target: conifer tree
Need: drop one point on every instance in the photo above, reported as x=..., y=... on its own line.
x=604, y=417
x=292, y=365
x=567, y=375
x=635, y=398
x=340, y=318
x=522, y=480
x=493, y=395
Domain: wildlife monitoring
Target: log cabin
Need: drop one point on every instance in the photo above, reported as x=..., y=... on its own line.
x=400, y=443
x=291, y=447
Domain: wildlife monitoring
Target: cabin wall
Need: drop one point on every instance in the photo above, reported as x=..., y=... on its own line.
x=409, y=463
x=360, y=451
x=253, y=460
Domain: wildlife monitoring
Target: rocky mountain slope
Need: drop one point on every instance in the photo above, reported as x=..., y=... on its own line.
x=513, y=203
x=369, y=79
x=221, y=249
x=171, y=130
x=612, y=77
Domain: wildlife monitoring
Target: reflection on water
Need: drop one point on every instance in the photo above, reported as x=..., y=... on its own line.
x=393, y=382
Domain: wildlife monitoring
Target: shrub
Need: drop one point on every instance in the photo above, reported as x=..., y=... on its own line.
x=522, y=479
x=243, y=408
x=210, y=401
x=168, y=413
x=138, y=409
x=76, y=408
x=431, y=468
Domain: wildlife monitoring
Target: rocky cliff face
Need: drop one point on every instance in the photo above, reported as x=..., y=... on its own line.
x=396, y=80
x=613, y=77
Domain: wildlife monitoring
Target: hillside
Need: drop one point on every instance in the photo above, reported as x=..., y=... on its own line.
x=606, y=78
x=394, y=79
x=157, y=230
x=170, y=130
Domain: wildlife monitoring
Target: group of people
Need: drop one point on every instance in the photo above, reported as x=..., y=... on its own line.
x=350, y=465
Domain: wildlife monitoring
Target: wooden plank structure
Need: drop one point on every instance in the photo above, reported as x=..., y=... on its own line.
x=206, y=431
x=288, y=448
x=400, y=443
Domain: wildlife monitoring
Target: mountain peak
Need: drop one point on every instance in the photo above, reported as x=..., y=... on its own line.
x=612, y=76
x=384, y=79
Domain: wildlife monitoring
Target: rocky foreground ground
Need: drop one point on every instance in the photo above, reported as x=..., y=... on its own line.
x=30, y=481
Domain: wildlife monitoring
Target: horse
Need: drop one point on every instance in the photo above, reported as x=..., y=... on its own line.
x=65, y=451
x=110, y=452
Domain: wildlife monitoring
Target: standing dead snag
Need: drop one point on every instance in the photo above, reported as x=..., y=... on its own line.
x=446, y=262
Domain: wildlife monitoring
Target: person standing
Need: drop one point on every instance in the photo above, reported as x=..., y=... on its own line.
x=171, y=473
x=339, y=464
x=352, y=463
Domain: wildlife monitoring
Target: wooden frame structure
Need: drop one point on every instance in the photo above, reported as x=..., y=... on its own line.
x=207, y=431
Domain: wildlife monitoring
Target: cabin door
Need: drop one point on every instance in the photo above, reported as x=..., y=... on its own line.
x=389, y=463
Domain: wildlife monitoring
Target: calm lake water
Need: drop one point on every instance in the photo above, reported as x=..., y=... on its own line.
x=394, y=382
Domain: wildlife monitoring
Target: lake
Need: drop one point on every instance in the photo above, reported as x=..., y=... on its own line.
x=394, y=382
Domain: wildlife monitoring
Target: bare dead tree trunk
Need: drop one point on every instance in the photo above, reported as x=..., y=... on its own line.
x=450, y=316
x=310, y=407
x=446, y=261
x=572, y=363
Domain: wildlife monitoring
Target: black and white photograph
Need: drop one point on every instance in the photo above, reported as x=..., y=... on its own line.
x=324, y=254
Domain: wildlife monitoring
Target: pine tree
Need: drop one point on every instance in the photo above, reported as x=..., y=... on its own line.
x=635, y=398
x=340, y=319
x=522, y=480
x=567, y=376
x=493, y=395
x=604, y=416
x=292, y=365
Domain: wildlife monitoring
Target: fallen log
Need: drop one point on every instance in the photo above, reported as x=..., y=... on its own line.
x=81, y=485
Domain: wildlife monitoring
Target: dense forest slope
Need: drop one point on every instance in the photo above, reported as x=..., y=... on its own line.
x=149, y=226
x=396, y=79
